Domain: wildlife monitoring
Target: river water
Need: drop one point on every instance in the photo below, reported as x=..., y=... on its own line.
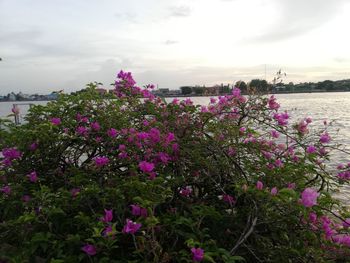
x=333, y=107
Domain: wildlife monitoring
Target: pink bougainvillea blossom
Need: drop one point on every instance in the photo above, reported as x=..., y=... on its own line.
x=89, y=249
x=55, y=121
x=101, y=161
x=137, y=210
x=95, y=126
x=112, y=133
x=6, y=189
x=229, y=199
x=275, y=134
x=274, y=191
x=146, y=167
x=309, y=197
x=186, y=191
x=11, y=153
x=197, y=254
x=33, y=146
x=81, y=130
x=131, y=227
x=259, y=185
x=273, y=105
x=325, y=138
x=108, y=216
x=74, y=192
x=33, y=177
x=311, y=149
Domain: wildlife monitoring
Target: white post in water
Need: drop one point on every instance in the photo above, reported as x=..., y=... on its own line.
x=15, y=110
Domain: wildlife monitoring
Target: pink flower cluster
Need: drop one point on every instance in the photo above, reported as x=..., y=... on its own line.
x=281, y=118
x=10, y=154
x=101, y=161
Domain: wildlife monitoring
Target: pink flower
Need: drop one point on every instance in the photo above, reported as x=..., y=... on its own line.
x=231, y=151
x=278, y=163
x=89, y=249
x=311, y=149
x=136, y=210
x=101, y=161
x=95, y=126
x=229, y=199
x=197, y=254
x=291, y=185
x=313, y=217
x=26, y=198
x=236, y=92
x=55, y=121
x=121, y=147
x=186, y=192
x=302, y=127
x=281, y=118
x=325, y=138
x=6, y=190
x=188, y=101
x=309, y=197
x=175, y=101
x=74, y=192
x=274, y=191
x=81, y=130
x=273, y=105
x=108, y=217
x=154, y=135
x=204, y=109
x=259, y=185
x=163, y=157
x=242, y=130
x=275, y=134
x=146, y=167
x=33, y=177
x=112, y=133
x=33, y=146
x=346, y=223
x=212, y=100
x=170, y=137
x=107, y=231
x=11, y=153
x=131, y=227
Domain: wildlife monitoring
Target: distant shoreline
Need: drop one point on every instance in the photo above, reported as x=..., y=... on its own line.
x=198, y=95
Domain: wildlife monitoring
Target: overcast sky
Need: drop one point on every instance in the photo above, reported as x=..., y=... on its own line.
x=48, y=45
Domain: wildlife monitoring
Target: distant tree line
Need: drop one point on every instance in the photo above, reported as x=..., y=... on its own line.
x=262, y=86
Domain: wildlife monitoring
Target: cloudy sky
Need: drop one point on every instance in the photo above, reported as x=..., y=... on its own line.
x=48, y=45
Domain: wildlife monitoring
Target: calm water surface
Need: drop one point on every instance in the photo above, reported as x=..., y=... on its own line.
x=333, y=107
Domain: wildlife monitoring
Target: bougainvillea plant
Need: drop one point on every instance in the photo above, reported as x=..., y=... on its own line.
x=131, y=178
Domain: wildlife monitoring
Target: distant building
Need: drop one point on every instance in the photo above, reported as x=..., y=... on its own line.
x=53, y=96
x=101, y=91
x=21, y=96
x=210, y=91
x=161, y=92
x=12, y=97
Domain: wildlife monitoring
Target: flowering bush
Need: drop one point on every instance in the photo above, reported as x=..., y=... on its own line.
x=135, y=179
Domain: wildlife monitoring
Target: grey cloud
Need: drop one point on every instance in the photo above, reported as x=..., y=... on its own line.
x=180, y=11
x=297, y=17
x=18, y=36
x=171, y=42
x=127, y=17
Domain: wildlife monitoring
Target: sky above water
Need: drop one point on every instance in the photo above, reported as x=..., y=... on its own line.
x=48, y=45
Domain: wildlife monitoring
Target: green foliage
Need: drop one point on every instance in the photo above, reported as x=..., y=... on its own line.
x=201, y=159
